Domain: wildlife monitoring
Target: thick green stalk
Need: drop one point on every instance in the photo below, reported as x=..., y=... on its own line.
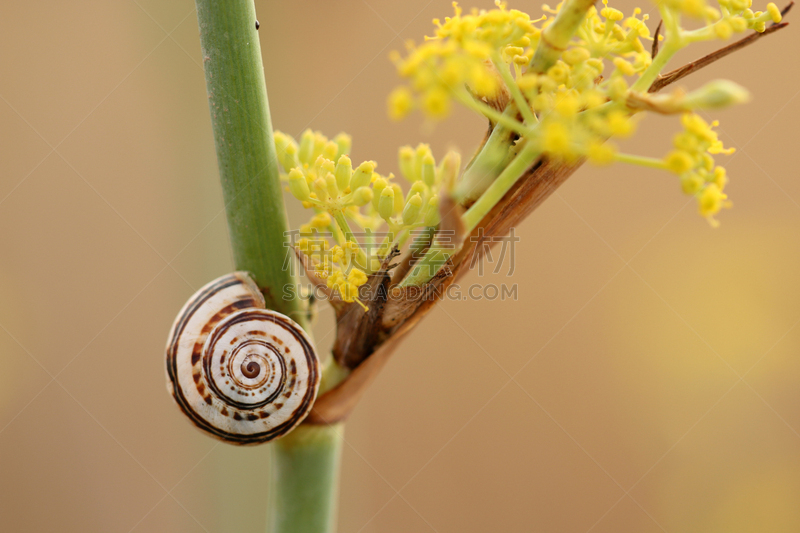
x=556, y=36
x=303, y=480
x=487, y=164
x=499, y=187
x=304, y=463
x=237, y=96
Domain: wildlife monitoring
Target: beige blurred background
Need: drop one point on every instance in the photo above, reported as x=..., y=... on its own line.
x=646, y=380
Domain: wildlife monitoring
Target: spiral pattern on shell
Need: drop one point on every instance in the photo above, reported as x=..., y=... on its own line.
x=240, y=372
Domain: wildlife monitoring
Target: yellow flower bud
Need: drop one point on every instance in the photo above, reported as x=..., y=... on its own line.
x=386, y=203
x=362, y=196
x=320, y=189
x=720, y=177
x=344, y=142
x=591, y=99
x=320, y=220
x=412, y=209
x=711, y=200
x=406, y=163
x=482, y=81
x=432, y=212
x=620, y=124
x=344, y=170
x=600, y=153
x=436, y=103
x=330, y=185
x=576, y=55
x=420, y=188
x=596, y=64
x=774, y=12
x=419, y=155
x=288, y=156
x=617, y=88
x=282, y=142
x=356, y=277
x=306, y=147
x=399, y=202
x=362, y=176
x=567, y=105
x=559, y=72
x=612, y=14
x=556, y=139
x=678, y=161
x=330, y=150
x=428, y=169
x=400, y=103
x=451, y=166
x=319, y=145
x=298, y=185
x=624, y=67
x=723, y=30
x=691, y=182
x=527, y=82
x=512, y=51
x=738, y=24
x=377, y=187
x=717, y=94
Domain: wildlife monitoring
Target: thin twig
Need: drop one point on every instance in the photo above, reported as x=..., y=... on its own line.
x=694, y=66
x=784, y=11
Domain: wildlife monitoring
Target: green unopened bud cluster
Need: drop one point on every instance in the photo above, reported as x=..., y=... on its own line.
x=320, y=174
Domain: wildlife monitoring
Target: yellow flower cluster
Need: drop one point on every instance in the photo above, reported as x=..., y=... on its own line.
x=374, y=203
x=337, y=265
x=691, y=160
x=733, y=16
x=312, y=145
x=462, y=53
x=566, y=102
x=609, y=34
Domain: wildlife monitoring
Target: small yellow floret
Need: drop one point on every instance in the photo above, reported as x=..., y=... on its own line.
x=556, y=139
x=400, y=103
x=601, y=153
x=436, y=103
x=620, y=124
x=612, y=14
x=678, y=161
x=774, y=12
x=624, y=67
x=711, y=200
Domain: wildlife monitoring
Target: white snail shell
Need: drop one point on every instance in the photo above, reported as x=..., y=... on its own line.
x=239, y=371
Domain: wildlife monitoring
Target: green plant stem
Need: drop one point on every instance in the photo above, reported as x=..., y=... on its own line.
x=673, y=43
x=304, y=463
x=487, y=163
x=304, y=474
x=647, y=78
x=492, y=114
x=640, y=160
x=556, y=36
x=248, y=166
x=519, y=98
x=499, y=187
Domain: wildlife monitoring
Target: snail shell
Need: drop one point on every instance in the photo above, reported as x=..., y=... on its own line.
x=239, y=371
